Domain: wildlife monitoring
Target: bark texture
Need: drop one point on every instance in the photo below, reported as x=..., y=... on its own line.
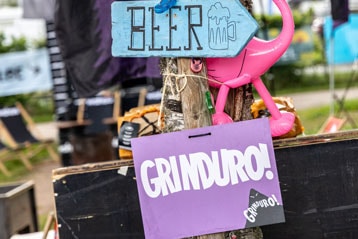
x=192, y=91
x=171, y=106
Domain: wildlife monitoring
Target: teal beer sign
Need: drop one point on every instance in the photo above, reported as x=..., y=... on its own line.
x=191, y=28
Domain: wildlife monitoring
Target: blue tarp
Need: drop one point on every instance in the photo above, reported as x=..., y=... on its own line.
x=345, y=40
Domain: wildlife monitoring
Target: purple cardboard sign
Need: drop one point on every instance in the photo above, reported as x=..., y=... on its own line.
x=207, y=180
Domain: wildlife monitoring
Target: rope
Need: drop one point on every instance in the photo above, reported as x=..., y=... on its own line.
x=179, y=76
x=167, y=76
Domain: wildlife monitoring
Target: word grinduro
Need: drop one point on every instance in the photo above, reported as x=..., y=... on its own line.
x=200, y=171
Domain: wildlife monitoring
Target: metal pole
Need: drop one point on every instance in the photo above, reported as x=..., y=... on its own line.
x=331, y=73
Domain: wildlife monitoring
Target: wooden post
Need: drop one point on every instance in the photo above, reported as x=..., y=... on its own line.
x=171, y=109
x=188, y=87
x=184, y=107
x=192, y=91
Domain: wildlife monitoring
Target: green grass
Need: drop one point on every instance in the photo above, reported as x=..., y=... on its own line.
x=19, y=172
x=290, y=79
x=312, y=119
x=18, y=169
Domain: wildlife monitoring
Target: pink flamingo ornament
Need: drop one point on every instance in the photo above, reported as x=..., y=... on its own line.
x=247, y=67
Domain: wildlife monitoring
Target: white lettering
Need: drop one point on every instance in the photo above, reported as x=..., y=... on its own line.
x=201, y=160
x=251, y=213
x=144, y=176
x=200, y=171
x=8, y=112
x=236, y=166
x=189, y=173
x=253, y=157
x=221, y=177
x=163, y=169
x=175, y=173
x=249, y=217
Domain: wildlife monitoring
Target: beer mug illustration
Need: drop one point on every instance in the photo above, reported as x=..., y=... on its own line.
x=220, y=27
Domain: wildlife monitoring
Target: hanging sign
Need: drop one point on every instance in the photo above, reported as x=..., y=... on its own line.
x=25, y=72
x=191, y=28
x=207, y=180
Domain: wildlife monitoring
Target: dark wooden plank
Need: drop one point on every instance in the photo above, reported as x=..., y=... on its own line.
x=98, y=204
x=315, y=139
x=319, y=188
x=90, y=167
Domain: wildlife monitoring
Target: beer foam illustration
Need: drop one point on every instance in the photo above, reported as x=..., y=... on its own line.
x=218, y=12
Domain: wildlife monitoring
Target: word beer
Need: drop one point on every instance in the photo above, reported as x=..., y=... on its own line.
x=139, y=30
x=190, y=28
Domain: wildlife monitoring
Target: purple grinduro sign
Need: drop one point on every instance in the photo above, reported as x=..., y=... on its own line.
x=207, y=180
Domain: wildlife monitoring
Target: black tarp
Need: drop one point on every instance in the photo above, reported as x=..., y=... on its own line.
x=339, y=11
x=83, y=30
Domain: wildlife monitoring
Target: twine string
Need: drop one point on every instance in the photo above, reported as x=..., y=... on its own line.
x=167, y=76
